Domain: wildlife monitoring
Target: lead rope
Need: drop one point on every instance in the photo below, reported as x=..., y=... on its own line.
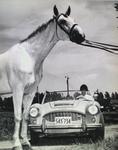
x=106, y=47
x=105, y=44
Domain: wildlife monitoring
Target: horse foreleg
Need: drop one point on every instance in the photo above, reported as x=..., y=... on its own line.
x=17, y=101
x=27, y=101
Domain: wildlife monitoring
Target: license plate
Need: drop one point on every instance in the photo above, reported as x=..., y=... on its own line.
x=63, y=120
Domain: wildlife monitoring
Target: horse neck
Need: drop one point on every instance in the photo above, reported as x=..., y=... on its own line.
x=42, y=43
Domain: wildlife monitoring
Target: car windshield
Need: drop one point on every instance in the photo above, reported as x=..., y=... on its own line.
x=61, y=95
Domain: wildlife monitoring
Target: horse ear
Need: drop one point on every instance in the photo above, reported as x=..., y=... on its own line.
x=68, y=11
x=55, y=10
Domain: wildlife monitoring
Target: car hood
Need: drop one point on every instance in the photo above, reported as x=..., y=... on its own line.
x=67, y=105
x=62, y=103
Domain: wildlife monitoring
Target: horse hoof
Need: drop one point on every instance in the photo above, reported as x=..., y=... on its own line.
x=17, y=148
x=27, y=147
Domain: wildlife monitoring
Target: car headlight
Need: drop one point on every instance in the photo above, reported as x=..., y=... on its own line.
x=34, y=112
x=93, y=109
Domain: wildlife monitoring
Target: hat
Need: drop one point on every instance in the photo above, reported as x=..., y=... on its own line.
x=83, y=87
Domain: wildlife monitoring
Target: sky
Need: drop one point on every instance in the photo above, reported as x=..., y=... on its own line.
x=83, y=65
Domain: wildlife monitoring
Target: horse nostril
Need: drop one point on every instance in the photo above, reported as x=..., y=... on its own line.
x=77, y=37
x=83, y=36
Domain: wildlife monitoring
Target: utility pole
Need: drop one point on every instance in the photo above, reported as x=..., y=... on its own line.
x=67, y=83
x=38, y=94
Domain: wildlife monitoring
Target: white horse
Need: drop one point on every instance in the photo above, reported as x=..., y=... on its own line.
x=21, y=67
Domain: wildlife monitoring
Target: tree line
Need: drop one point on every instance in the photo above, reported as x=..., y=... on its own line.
x=105, y=99
x=116, y=8
x=6, y=104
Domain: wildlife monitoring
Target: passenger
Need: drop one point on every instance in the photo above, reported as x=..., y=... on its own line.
x=85, y=93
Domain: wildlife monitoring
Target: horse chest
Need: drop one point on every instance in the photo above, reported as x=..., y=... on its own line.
x=34, y=77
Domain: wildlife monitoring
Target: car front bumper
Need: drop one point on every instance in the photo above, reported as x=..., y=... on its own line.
x=64, y=130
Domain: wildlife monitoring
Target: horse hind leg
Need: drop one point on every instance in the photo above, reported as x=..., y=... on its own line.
x=27, y=101
x=17, y=101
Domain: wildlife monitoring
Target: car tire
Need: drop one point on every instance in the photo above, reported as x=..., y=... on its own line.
x=34, y=138
x=99, y=133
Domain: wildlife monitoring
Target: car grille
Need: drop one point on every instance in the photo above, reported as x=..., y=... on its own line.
x=51, y=116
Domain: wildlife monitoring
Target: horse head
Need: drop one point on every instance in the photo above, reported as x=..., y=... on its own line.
x=68, y=29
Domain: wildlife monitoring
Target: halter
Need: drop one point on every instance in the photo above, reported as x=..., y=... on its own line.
x=57, y=23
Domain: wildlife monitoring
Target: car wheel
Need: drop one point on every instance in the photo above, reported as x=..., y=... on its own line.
x=99, y=133
x=34, y=137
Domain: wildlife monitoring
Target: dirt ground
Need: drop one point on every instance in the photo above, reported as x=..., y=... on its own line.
x=110, y=142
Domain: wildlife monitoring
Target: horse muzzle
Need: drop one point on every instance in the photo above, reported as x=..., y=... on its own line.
x=76, y=35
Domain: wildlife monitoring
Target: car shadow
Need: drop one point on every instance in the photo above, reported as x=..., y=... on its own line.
x=52, y=141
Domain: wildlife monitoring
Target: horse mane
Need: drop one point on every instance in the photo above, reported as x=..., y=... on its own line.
x=38, y=30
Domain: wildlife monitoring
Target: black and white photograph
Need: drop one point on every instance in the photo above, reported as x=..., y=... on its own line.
x=58, y=75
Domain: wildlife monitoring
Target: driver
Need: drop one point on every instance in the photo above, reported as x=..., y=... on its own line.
x=85, y=93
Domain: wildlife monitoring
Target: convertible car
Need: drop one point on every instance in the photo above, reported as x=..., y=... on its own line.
x=66, y=114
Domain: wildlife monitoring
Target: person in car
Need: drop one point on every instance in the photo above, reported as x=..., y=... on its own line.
x=85, y=93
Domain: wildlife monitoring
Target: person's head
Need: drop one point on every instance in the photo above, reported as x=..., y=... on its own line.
x=83, y=89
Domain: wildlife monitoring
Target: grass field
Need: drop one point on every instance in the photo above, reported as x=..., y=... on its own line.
x=110, y=142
